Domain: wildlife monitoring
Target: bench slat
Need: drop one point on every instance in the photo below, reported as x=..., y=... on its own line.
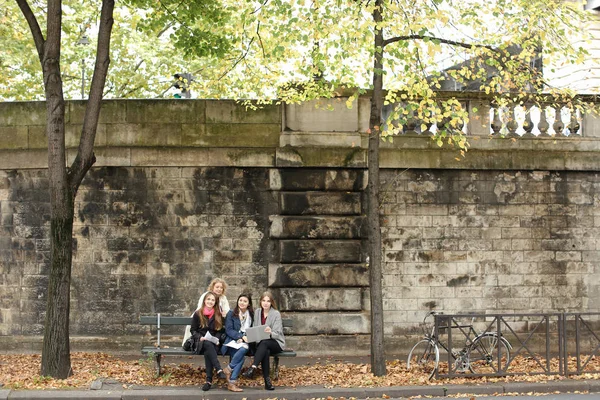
x=153, y=320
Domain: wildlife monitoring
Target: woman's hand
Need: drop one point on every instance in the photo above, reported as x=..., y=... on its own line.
x=202, y=339
x=240, y=340
x=268, y=329
x=245, y=338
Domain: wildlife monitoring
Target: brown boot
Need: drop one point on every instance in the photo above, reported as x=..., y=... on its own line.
x=227, y=372
x=233, y=387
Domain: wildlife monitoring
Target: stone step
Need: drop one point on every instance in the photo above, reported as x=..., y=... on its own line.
x=320, y=203
x=319, y=299
x=296, y=179
x=329, y=323
x=320, y=251
x=318, y=275
x=317, y=227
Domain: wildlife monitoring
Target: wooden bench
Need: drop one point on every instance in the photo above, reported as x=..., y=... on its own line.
x=157, y=351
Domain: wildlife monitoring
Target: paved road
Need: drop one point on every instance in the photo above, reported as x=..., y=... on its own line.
x=562, y=396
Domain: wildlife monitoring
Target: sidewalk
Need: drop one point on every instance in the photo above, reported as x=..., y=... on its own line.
x=114, y=391
x=111, y=389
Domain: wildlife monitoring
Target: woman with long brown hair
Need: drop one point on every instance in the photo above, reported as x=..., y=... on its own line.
x=206, y=324
x=217, y=286
x=267, y=315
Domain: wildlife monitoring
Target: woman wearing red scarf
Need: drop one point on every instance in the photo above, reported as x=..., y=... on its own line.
x=206, y=324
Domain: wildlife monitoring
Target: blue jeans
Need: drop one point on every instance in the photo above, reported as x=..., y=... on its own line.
x=237, y=361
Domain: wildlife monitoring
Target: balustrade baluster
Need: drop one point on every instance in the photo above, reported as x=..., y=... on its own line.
x=496, y=122
x=411, y=125
x=543, y=125
x=574, y=123
x=528, y=123
x=427, y=130
x=512, y=125
x=558, y=125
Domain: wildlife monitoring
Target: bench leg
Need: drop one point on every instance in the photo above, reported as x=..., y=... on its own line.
x=275, y=369
x=157, y=358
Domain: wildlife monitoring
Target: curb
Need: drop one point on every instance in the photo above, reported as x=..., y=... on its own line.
x=301, y=393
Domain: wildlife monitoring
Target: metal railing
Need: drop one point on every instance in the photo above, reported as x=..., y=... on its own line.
x=517, y=344
x=584, y=328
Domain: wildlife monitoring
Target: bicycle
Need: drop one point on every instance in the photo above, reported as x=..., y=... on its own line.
x=477, y=356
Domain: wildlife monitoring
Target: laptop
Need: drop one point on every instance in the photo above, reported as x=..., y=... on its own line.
x=257, y=333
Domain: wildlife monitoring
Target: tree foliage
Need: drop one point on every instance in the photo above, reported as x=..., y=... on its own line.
x=295, y=51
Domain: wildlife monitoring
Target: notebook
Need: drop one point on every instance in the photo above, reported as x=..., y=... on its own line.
x=257, y=333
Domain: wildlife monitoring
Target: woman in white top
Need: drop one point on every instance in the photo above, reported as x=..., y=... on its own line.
x=217, y=286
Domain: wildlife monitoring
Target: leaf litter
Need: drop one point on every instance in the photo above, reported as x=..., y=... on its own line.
x=21, y=371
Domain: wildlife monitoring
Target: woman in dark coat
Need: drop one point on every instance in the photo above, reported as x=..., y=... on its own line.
x=206, y=324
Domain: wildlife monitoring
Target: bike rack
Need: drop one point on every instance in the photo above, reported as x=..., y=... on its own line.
x=585, y=337
x=502, y=326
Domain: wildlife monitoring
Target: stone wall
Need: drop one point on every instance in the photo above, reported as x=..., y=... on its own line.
x=184, y=191
x=489, y=241
x=146, y=240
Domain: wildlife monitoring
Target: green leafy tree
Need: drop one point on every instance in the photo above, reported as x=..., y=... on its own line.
x=142, y=62
x=400, y=53
x=50, y=23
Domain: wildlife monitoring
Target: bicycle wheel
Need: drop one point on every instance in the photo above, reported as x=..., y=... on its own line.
x=483, y=354
x=424, y=357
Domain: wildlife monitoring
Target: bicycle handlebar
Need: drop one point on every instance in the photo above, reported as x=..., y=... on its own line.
x=430, y=313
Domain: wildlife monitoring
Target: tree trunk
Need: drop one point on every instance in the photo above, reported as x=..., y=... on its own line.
x=56, y=358
x=56, y=361
x=374, y=231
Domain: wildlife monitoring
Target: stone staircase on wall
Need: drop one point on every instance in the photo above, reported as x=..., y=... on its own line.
x=318, y=272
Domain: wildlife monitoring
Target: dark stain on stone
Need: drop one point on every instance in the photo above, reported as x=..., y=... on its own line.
x=561, y=189
x=120, y=256
x=299, y=203
x=460, y=281
x=181, y=211
x=426, y=279
x=394, y=255
x=432, y=305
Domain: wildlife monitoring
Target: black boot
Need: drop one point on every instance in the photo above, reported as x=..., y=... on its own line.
x=249, y=372
x=268, y=384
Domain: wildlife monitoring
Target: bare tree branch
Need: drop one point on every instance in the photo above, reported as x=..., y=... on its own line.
x=433, y=38
x=36, y=32
x=85, y=154
x=243, y=56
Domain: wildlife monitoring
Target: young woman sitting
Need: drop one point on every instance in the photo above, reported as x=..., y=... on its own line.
x=206, y=324
x=236, y=344
x=267, y=315
x=217, y=286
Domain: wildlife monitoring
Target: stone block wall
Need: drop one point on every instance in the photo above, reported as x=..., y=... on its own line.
x=146, y=240
x=489, y=241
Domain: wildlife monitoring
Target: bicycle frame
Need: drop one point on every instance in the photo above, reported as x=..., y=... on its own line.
x=479, y=351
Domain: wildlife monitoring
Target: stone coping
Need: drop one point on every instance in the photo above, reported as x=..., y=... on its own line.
x=406, y=152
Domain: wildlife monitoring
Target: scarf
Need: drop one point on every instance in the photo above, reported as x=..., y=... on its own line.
x=245, y=321
x=209, y=313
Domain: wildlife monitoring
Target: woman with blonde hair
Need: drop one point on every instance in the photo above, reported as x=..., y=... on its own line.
x=217, y=286
x=207, y=322
x=267, y=315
